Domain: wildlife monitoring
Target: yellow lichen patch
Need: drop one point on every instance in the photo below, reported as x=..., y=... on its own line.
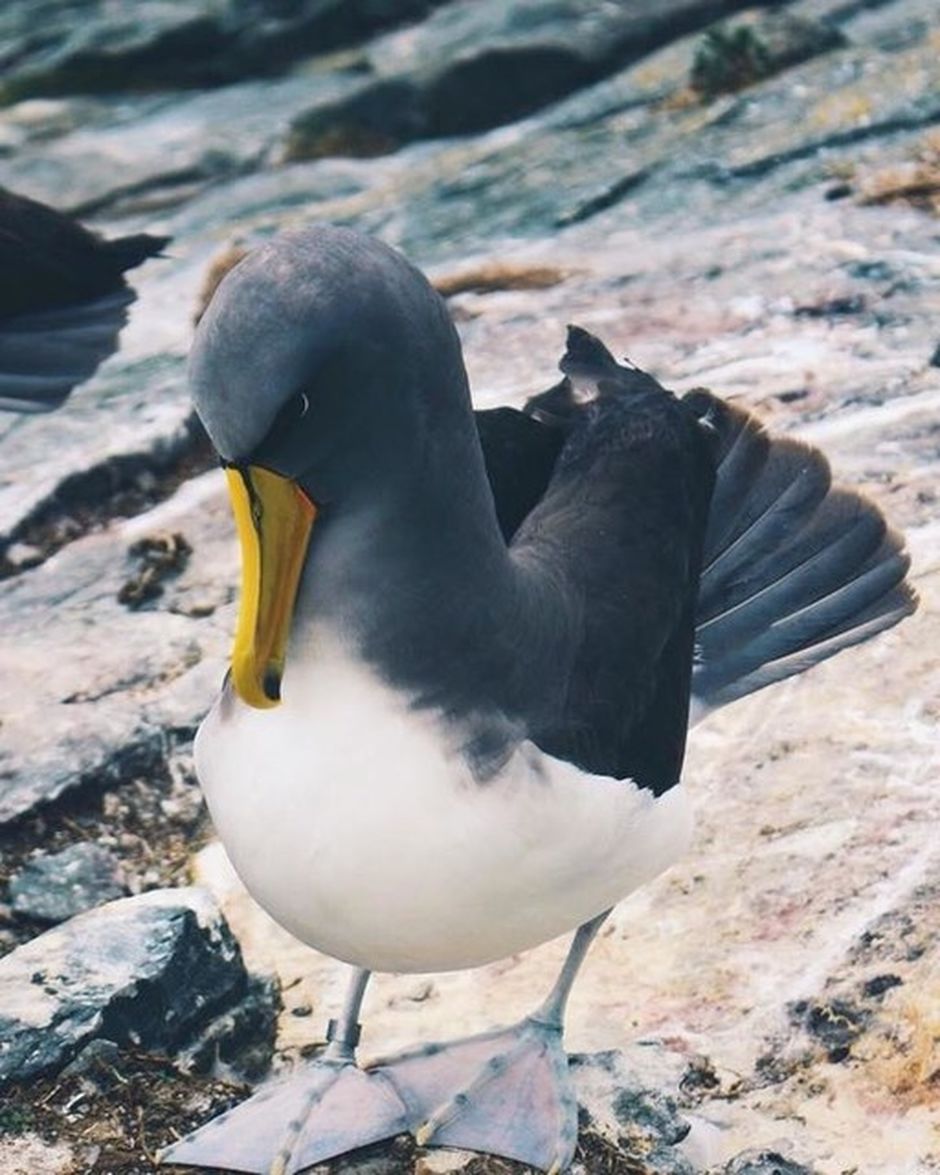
x=680, y=99
x=841, y=169
x=489, y=277
x=914, y=181
x=349, y=139
x=843, y=109
x=220, y=265
x=658, y=72
x=904, y=1058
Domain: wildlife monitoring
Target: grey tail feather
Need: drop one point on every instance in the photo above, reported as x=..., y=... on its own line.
x=44, y=355
x=793, y=569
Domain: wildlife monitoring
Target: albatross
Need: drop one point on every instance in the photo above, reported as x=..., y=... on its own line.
x=467, y=652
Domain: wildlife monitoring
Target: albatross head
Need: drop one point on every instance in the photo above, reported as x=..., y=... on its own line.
x=318, y=372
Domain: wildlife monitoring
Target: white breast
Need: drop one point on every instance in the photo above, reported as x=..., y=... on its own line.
x=351, y=820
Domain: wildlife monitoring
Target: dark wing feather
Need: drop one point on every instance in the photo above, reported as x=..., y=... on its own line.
x=63, y=300
x=621, y=526
x=751, y=573
x=43, y=356
x=520, y=455
x=793, y=569
x=614, y=497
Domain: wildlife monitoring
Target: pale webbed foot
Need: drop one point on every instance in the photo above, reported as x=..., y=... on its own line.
x=505, y=1093
x=328, y=1108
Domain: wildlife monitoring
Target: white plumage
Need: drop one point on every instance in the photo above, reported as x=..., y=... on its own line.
x=355, y=823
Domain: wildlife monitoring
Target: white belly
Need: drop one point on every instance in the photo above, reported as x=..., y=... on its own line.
x=354, y=824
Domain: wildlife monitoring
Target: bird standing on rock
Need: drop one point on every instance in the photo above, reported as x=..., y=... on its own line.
x=467, y=646
x=63, y=300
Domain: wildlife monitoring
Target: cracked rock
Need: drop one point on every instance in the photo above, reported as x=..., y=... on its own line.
x=96, y=48
x=150, y=971
x=629, y=1115
x=241, y=1039
x=477, y=64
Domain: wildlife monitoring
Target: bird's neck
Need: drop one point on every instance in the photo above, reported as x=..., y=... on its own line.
x=415, y=548
x=419, y=582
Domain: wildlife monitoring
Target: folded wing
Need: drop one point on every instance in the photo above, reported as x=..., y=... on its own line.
x=794, y=569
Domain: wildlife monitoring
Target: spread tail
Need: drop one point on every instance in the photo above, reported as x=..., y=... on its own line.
x=793, y=570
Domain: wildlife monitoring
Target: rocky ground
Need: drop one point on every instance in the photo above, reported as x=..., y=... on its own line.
x=748, y=205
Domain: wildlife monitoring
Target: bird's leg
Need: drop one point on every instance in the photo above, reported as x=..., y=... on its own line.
x=326, y=1108
x=342, y=1035
x=506, y=1092
x=551, y=1011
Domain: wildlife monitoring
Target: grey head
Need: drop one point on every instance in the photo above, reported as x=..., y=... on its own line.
x=327, y=357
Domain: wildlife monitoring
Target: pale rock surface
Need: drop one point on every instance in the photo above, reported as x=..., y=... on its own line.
x=30, y=1154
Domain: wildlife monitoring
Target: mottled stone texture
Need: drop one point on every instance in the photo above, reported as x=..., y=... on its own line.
x=53, y=887
x=151, y=972
x=93, y=46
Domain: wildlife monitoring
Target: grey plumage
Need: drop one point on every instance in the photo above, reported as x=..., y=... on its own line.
x=63, y=300
x=794, y=570
x=44, y=355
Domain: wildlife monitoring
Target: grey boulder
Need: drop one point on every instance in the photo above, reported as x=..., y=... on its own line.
x=151, y=972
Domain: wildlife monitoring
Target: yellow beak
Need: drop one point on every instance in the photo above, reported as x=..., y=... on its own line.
x=274, y=518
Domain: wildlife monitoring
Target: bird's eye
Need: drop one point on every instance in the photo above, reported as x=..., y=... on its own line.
x=303, y=404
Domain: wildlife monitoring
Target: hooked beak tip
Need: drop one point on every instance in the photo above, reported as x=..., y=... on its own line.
x=271, y=684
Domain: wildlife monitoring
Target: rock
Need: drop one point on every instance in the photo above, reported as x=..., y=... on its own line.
x=763, y=1162
x=29, y=1154
x=109, y=745
x=624, y=1113
x=477, y=64
x=56, y=886
x=95, y=48
x=110, y=708
x=149, y=972
x=442, y=1162
x=241, y=1039
x=836, y=1024
x=22, y=556
x=95, y=1062
x=146, y=153
x=630, y=147
x=737, y=53
x=98, y=473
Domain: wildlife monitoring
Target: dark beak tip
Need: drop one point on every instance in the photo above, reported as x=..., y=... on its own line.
x=271, y=685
